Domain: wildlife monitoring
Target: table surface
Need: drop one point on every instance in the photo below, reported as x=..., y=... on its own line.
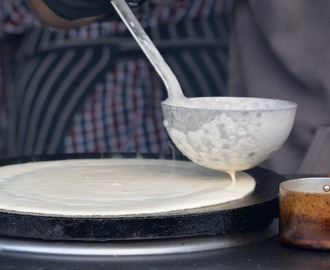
x=265, y=254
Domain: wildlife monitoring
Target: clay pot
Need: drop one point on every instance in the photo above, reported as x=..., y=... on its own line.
x=305, y=212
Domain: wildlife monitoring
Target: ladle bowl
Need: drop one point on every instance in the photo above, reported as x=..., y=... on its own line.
x=230, y=133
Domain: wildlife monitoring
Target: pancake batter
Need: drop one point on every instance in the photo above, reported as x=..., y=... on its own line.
x=109, y=187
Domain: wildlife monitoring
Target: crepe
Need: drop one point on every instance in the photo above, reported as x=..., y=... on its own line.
x=115, y=187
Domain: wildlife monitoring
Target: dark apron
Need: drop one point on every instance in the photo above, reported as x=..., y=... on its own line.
x=55, y=75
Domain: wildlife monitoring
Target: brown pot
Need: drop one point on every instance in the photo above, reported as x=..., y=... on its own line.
x=305, y=212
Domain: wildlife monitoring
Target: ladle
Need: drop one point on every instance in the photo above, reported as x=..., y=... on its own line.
x=172, y=85
x=222, y=133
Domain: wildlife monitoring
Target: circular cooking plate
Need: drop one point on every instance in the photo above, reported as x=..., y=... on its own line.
x=253, y=213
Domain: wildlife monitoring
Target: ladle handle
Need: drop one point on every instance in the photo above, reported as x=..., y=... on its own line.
x=164, y=71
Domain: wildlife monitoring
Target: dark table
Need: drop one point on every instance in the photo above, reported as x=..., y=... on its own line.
x=265, y=254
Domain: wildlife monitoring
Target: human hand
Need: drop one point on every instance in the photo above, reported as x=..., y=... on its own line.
x=75, y=9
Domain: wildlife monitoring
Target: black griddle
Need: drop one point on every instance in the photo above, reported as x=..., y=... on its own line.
x=253, y=213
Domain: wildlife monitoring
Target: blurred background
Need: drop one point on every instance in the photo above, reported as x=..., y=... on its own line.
x=90, y=88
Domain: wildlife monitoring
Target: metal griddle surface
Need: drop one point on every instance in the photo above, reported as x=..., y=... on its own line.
x=253, y=213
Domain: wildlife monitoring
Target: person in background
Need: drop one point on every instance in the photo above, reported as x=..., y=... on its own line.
x=84, y=85
x=281, y=49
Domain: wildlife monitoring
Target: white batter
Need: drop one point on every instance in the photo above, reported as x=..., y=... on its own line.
x=109, y=187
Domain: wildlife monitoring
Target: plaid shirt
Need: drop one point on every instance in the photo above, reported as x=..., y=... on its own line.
x=122, y=112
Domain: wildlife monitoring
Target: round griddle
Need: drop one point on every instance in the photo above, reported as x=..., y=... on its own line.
x=253, y=213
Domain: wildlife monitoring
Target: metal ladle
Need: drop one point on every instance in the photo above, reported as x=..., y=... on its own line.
x=222, y=133
x=172, y=85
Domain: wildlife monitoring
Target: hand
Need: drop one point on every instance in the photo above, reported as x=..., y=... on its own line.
x=75, y=9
